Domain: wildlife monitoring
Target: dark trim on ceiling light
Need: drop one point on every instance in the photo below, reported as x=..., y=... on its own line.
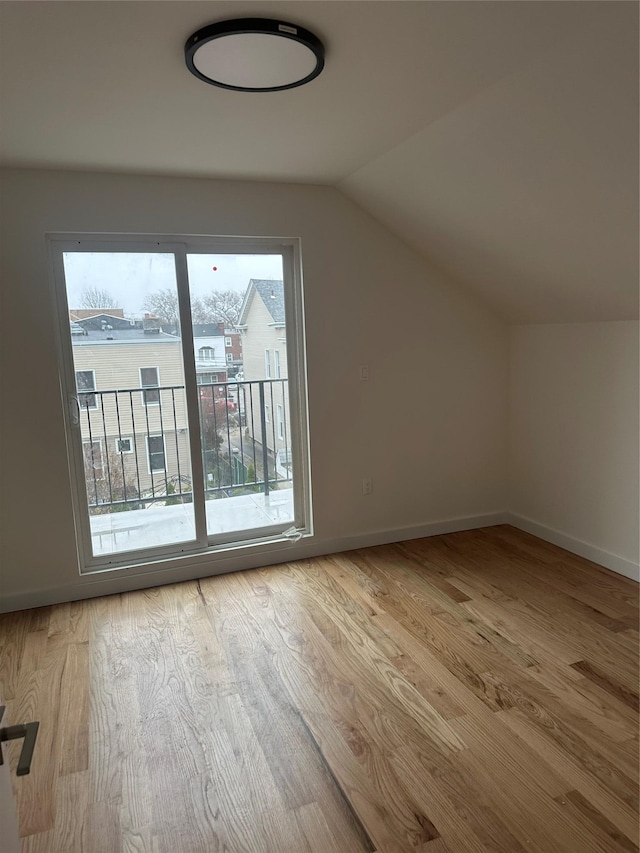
x=242, y=26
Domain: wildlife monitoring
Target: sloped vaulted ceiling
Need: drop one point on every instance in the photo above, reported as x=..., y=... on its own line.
x=528, y=191
x=499, y=139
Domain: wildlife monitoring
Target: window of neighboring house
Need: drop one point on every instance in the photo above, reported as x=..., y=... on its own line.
x=155, y=452
x=266, y=413
x=86, y=381
x=124, y=445
x=267, y=364
x=280, y=421
x=229, y=356
x=93, y=466
x=276, y=362
x=206, y=353
x=227, y=342
x=207, y=378
x=150, y=378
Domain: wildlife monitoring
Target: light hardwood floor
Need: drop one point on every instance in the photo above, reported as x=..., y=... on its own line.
x=469, y=692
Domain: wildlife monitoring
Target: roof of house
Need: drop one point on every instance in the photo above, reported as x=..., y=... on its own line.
x=207, y=330
x=98, y=321
x=200, y=330
x=76, y=314
x=271, y=291
x=124, y=336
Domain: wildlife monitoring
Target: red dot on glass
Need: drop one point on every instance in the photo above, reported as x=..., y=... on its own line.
x=215, y=269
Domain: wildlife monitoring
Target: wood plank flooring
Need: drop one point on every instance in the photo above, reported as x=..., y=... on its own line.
x=470, y=692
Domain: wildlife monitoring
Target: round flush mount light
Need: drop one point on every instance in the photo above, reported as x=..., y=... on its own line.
x=254, y=55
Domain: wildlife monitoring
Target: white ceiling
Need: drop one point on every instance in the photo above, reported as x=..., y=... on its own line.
x=497, y=138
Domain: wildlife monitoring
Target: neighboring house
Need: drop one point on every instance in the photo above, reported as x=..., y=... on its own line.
x=264, y=353
x=132, y=411
x=226, y=342
x=101, y=320
x=233, y=350
x=134, y=435
x=213, y=343
x=209, y=351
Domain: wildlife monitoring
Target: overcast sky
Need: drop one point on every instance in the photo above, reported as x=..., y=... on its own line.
x=129, y=277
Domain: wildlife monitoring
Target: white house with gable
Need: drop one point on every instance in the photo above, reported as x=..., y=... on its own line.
x=264, y=348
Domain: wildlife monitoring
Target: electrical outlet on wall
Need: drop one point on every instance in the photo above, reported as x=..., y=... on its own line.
x=367, y=486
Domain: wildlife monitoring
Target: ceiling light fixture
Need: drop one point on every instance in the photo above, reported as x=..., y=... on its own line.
x=254, y=55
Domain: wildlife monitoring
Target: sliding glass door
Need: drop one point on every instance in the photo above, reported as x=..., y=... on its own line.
x=182, y=366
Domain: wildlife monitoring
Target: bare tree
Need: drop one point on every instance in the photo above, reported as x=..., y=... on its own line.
x=219, y=306
x=94, y=297
x=199, y=313
x=223, y=306
x=164, y=304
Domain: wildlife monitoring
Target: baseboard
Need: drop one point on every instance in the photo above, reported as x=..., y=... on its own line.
x=422, y=531
x=96, y=584
x=604, y=558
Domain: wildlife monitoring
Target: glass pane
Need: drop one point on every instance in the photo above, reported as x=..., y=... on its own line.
x=125, y=336
x=239, y=325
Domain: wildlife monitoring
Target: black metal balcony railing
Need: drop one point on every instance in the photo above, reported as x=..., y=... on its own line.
x=136, y=442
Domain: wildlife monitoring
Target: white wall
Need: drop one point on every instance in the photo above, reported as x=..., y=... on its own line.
x=573, y=449
x=429, y=427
